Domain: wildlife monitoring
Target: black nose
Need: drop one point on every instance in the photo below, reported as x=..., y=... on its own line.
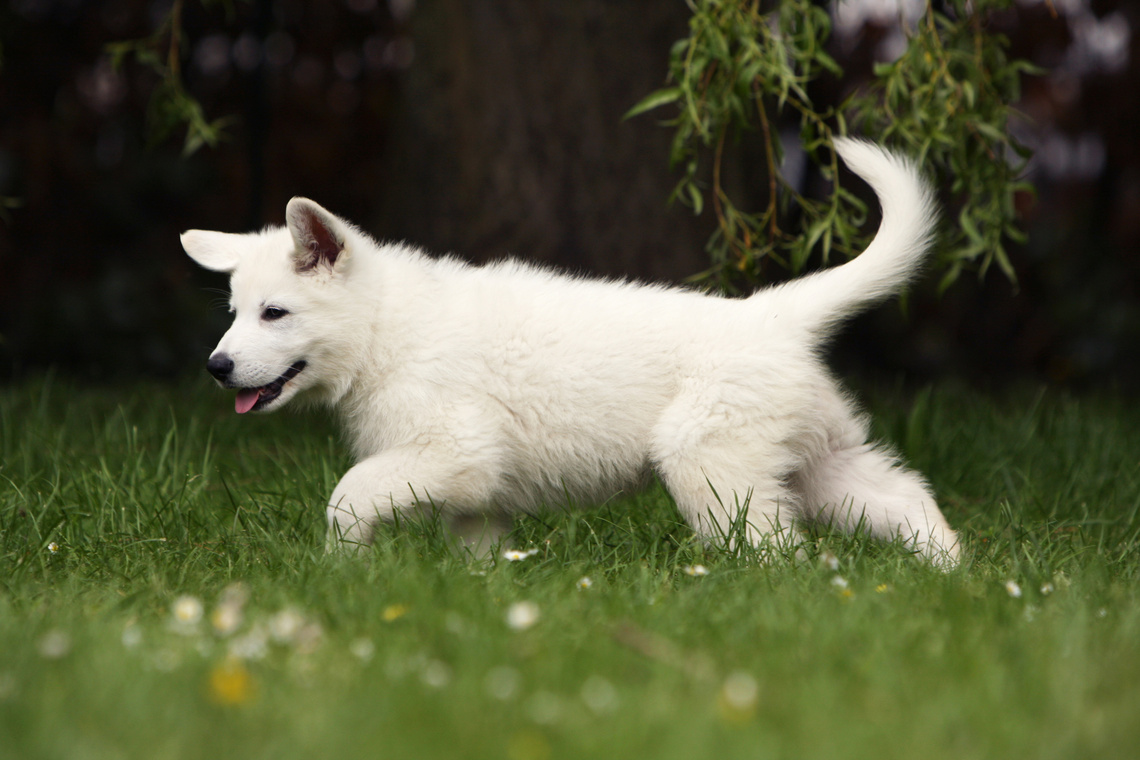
x=220, y=366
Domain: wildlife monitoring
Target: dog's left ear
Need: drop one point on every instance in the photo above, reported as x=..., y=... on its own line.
x=318, y=236
x=217, y=251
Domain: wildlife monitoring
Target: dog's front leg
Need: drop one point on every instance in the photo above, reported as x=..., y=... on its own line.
x=402, y=480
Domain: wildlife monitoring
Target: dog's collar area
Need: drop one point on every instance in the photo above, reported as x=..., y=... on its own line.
x=256, y=399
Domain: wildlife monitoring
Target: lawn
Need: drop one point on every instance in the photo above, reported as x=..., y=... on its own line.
x=164, y=594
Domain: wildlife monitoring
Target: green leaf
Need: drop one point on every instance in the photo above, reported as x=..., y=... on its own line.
x=950, y=277
x=696, y=200
x=991, y=132
x=966, y=221
x=654, y=100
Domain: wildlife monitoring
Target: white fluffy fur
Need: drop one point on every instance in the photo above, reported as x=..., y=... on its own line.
x=493, y=390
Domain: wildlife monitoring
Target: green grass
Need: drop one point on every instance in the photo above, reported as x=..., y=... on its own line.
x=116, y=503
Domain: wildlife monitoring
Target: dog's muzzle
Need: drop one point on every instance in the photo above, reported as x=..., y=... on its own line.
x=221, y=366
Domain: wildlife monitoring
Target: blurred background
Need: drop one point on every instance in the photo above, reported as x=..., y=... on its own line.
x=495, y=128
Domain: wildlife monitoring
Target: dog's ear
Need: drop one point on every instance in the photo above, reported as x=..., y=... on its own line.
x=318, y=236
x=217, y=251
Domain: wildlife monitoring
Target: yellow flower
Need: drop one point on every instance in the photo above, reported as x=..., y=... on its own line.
x=528, y=744
x=231, y=683
x=394, y=612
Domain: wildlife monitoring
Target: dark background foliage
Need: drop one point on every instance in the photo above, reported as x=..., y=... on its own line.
x=494, y=129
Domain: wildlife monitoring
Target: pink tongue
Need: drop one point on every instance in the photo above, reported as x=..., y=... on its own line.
x=246, y=398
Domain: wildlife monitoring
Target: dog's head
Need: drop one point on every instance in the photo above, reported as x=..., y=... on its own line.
x=287, y=285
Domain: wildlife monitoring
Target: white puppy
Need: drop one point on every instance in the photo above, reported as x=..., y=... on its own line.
x=489, y=391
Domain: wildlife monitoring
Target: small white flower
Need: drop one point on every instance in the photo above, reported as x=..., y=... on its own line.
x=1013, y=589
x=514, y=555
x=254, y=645
x=1047, y=589
x=839, y=582
x=830, y=561
x=544, y=708
x=695, y=570
x=237, y=594
x=599, y=695
x=53, y=547
x=54, y=645
x=226, y=618
x=308, y=638
x=362, y=649
x=186, y=613
x=285, y=625
x=456, y=624
x=522, y=615
x=502, y=682
x=165, y=660
x=132, y=636
x=740, y=691
x=435, y=674
x=584, y=582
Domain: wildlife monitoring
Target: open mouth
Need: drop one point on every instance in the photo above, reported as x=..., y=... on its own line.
x=255, y=399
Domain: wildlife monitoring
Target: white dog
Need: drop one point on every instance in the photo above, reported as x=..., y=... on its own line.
x=493, y=390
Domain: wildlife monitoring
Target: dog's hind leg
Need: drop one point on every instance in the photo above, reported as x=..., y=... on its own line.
x=724, y=510
x=728, y=484
x=858, y=485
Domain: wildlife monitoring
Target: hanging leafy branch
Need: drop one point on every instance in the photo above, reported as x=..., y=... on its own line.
x=946, y=100
x=171, y=106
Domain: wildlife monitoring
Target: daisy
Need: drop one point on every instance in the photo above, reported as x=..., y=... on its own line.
x=226, y=618
x=514, y=555
x=185, y=614
x=54, y=644
x=738, y=697
x=599, y=695
x=502, y=682
x=522, y=615
x=695, y=570
x=363, y=649
x=285, y=625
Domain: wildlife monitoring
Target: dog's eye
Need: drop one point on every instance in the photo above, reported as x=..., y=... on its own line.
x=273, y=312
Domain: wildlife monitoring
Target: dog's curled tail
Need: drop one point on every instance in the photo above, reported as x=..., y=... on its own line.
x=821, y=301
